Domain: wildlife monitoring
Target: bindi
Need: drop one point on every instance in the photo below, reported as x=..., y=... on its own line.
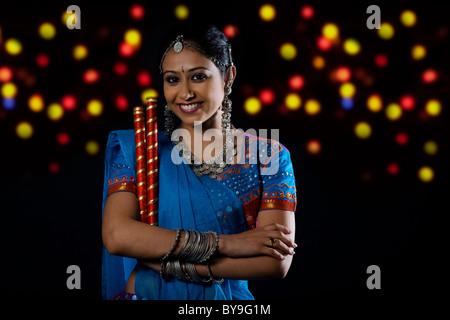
x=182, y=69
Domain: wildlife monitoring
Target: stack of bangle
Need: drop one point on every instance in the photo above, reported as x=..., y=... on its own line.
x=198, y=247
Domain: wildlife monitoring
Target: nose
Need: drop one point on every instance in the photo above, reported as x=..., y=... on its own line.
x=186, y=93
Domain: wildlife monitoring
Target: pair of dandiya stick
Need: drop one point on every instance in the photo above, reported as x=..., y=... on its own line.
x=146, y=139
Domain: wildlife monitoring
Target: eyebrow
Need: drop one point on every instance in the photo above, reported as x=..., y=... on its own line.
x=190, y=70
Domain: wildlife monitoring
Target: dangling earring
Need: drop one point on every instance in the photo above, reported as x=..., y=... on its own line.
x=168, y=121
x=226, y=109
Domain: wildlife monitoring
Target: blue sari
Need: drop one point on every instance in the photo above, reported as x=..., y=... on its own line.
x=228, y=204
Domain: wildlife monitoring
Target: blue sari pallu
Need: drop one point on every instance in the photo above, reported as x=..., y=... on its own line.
x=228, y=204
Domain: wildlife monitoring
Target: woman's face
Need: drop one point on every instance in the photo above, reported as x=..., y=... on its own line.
x=193, y=87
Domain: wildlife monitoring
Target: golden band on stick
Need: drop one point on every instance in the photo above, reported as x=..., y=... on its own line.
x=146, y=139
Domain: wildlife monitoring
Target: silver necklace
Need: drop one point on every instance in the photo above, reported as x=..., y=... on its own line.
x=214, y=166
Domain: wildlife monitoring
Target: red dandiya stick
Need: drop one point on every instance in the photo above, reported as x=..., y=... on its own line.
x=141, y=176
x=152, y=162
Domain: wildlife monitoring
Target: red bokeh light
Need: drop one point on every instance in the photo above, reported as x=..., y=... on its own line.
x=91, y=76
x=381, y=60
x=69, y=102
x=120, y=68
x=407, y=102
x=6, y=74
x=121, y=102
x=144, y=79
x=429, y=76
x=231, y=31
x=296, y=82
x=42, y=60
x=342, y=74
x=401, y=138
x=393, y=168
x=137, y=12
x=126, y=50
x=324, y=43
x=307, y=12
x=267, y=96
x=63, y=138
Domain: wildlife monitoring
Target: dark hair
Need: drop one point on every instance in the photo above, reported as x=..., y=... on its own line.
x=207, y=37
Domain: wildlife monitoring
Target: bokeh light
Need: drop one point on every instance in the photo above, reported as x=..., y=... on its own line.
x=307, y=12
x=351, y=46
x=252, y=105
x=313, y=146
x=55, y=111
x=63, y=138
x=347, y=103
x=429, y=76
x=386, y=31
x=36, y=102
x=92, y=147
x=47, y=31
x=24, y=130
x=381, y=60
x=312, y=107
x=133, y=38
x=318, y=62
x=433, y=107
x=91, y=76
x=125, y=49
x=288, y=51
x=363, y=130
x=374, y=102
x=80, y=52
x=121, y=102
x=292, y=101
x=267, y=12
x=393, y=168
x=323, y=43
x=137, y=12
x=418, y=52
x=393, y=111
x=230, y=31
x=296, y=82
x=181, y=12
x=402, y=138
x=42, y=60
x=330, y=31
x=341, y=74
x=69, y=102
x=347, y=90
x=430, y=147
x=407, y=102
x=144, y=79
x=148, y=93
x=6, y=74
x=425, y=174
x=9, y=90
x=9, y=103
x=13, y=46
x=408, y=18
x=94, y=107
x=267, y=96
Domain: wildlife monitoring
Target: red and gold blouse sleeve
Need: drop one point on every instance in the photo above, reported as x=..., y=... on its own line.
x=278, y=180
x=120, y=175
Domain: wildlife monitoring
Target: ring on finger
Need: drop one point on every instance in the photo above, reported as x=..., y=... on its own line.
x=271, y=240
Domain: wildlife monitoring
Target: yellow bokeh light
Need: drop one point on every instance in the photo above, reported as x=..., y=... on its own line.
x=418, y=52
x=267, y=12
x=95, y=107
x=24, y=130
x=47, y=31
x=318, y=62
x=252, y=105
x=80, y=52
x=9, y=90
x=347, y=90
x=293, y=101
x=13, y=46
x=393, y=111
x=408, y=18
x=374, y=103
x=363, y=130
x=426, y=174
x=433, y=107
x=55, y=111
x=133, y=37
x=148, y=93
x=92, y=147
x=181, y=12
x=312, y=107
x=386, y=31
x=330, y=31
x=430, y=147
x=288, y=51
x=352, y=46
x=36, y=103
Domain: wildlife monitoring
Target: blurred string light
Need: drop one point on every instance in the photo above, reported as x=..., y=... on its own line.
x=352, y=46
x=312, y=107
x=267, y=12
x=296, y=82
x=92, y=147
x=69, y=102
x=9, y=103
x=181, y=12
x=63, y=138
x=133, y=38
x=429, y=76
x=381, y=60
x=150, y=92
x=323, y=43
x=318, y=62
x=9, y=90
x=94, y=107
x=6, y=74
x=374, y=102
x=402, y=138
x=230, y=31
x=121, y=102
x=91, y=76
x=42, y=60
x=347, y=90
x=267, y=96
x=125, y=49
x=144, y=79
x=330, y=31
x=393, y=168
x=341, y=74
x=407, y=102
x=347, y=103
x=313, y=146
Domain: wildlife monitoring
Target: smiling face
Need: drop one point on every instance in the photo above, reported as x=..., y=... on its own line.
x=193, y=88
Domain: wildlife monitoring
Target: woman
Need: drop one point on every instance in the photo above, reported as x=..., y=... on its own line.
x=221, y=218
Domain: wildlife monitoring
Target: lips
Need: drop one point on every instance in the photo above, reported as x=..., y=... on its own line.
x=191, y=107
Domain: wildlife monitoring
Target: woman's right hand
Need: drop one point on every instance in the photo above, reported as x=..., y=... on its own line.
x=272, y=240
